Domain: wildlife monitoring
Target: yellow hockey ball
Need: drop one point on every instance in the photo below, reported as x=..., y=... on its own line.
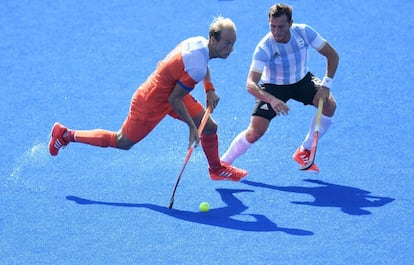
x=204, y=207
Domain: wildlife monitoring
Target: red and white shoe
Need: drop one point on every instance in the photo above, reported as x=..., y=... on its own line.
x=227, y=172
x=302, y=157
x=56, y=140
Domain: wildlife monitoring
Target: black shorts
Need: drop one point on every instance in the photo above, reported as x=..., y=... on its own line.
x=303, y=91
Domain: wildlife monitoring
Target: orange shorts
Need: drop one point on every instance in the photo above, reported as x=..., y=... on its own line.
x=146, y=112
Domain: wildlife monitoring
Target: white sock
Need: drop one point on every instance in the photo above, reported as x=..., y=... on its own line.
x=238, y=147
x=326, y=122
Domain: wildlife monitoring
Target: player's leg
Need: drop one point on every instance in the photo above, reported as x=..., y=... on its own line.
x=62, y=136
x=97, y=137
x=133, y=130
x=209, y=143
x=329, y=106
x=140, y=121
x=245, y=139
x=208, y=138
x=305, y=92
x=263, y=113
x=328, y=111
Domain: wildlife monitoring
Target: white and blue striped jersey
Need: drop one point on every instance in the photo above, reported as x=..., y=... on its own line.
x=285, y=63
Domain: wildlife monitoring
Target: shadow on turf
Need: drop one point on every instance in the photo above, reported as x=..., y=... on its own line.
x=349, y=199
x=222, y=217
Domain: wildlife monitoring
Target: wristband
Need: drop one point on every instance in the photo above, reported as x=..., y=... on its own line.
x=208, y=86
x=327, y=82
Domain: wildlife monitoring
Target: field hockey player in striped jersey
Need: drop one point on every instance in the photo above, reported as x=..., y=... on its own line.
x=279, y=72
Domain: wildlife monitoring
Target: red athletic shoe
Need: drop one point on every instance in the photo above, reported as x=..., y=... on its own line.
x=56, y=140
x=302, y=157
x=227, y=172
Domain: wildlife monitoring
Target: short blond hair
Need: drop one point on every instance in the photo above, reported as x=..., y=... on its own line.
x=219, y=23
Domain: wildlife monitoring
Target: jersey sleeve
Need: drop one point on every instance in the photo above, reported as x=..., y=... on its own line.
x=195, y=60
x=259, y=60
x=315, y=40
x=187, y=82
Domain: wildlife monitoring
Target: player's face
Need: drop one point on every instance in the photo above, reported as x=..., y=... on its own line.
x=280, y=28
x=224, y=46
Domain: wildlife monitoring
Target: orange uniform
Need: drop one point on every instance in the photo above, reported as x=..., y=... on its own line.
x=185, y=65
x=173, y=80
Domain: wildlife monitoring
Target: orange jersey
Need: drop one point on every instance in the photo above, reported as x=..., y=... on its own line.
x=185, y=65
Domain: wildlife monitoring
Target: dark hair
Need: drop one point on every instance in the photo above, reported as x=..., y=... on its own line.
x=280, y=10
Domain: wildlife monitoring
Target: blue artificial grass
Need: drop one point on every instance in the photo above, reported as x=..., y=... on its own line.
x=78, y=62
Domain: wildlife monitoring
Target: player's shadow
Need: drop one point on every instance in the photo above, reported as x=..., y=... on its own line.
x=350, y=200
x=228, y=216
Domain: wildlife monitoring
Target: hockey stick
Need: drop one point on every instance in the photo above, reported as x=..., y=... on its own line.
x=315, y=137
x=190, y=151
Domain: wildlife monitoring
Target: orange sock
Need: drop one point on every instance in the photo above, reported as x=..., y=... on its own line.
x=210, y=147
x=96, y=137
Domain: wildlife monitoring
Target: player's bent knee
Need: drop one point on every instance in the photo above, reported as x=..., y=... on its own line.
x=123, y=143
x=329, y=109
x=253, y=136
x=123, y=146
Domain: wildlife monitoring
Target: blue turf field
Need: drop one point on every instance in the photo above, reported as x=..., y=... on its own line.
x=78, y=62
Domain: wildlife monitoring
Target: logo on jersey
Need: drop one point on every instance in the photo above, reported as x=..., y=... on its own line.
x=300, y=42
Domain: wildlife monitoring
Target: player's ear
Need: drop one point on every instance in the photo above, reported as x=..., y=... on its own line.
x=213, y=39
x=216, y=35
